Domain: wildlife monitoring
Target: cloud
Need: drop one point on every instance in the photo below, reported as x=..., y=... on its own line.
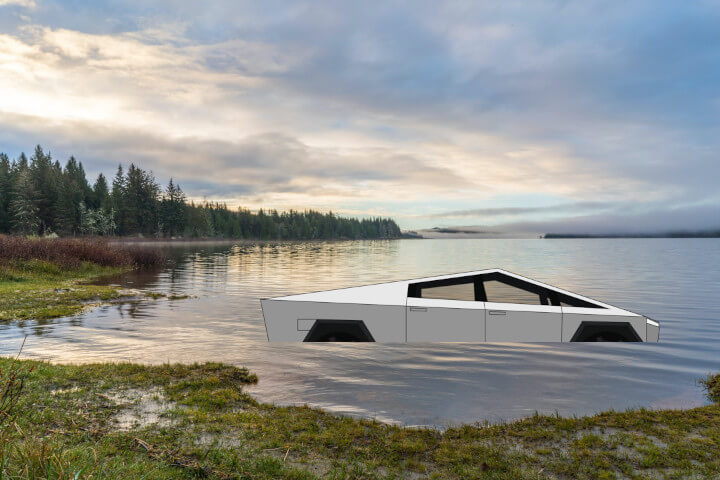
x=19, y=3
x=507, y=211
x=427, y=111
x=249, y=171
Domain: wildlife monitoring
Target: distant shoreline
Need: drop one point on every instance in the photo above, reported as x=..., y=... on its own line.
x=405, y=235
x=466, y=233
x=227, y=241
x=638, y=235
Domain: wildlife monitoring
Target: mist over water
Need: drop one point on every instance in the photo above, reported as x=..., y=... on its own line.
x=674, y=281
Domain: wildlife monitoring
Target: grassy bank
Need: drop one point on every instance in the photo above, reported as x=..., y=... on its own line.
x=46, y=278
x=195, y=421
x=37, y=289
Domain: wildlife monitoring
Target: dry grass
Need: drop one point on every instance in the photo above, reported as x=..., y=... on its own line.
x=12, y=382
x=73, y=252
x=13, y=375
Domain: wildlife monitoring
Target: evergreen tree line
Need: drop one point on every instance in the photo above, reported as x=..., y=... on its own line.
x=38, y=196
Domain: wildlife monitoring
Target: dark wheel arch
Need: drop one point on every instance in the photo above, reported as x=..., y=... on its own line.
x=339, y=331
x=605, y=332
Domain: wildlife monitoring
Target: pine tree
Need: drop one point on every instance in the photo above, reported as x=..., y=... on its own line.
x=82, y=183
x=173, y=210
x=40, y=196
x=46, y=188
x=66, y=211
x=101, y=194
x=117, y=200
x=71, y=193
x=5, y=193
x=141, y=202
x=133, y=201
x=23, y=208
x=22, y=162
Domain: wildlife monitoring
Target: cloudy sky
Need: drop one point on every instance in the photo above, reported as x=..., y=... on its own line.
x=599, y=116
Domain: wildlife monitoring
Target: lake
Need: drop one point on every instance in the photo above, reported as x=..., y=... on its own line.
x=674, y=281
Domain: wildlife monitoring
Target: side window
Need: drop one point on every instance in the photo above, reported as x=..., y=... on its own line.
x=570, y=301
x=494, y=287
x=500, y=292
x=462, y=291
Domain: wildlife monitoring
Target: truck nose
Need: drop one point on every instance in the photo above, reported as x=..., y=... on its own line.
x=652, y=330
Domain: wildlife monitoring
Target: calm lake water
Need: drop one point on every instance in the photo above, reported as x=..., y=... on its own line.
x=675, y=281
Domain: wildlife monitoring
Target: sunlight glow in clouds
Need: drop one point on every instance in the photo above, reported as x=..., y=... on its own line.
x=21, y=3
x=437, y=114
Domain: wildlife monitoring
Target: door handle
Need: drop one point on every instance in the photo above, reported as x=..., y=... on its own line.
x=497, y=312
x=418, y=309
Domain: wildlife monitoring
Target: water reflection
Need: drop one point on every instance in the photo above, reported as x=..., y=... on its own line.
x=423, y=383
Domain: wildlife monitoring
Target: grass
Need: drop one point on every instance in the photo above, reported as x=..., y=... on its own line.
x=159, y=295
x=196, y=421
x=47, y=278
x=712, y=387
x=37, y=289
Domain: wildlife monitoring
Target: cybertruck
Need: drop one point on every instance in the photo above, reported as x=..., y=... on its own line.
x=482, y=306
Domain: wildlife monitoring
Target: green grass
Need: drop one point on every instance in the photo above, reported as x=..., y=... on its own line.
x=712, y=387
x=159, y=295
x=37, y=289
x=72, y=422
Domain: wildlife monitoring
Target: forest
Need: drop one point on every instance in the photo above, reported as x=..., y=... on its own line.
x=39, y=196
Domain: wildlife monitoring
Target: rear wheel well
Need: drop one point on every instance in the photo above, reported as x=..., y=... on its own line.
x=605, y=332
x=339, y=331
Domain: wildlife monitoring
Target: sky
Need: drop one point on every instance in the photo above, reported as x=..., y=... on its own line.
x=541, y=116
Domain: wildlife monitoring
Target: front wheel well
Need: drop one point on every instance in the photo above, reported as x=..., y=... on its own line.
x=339, y=331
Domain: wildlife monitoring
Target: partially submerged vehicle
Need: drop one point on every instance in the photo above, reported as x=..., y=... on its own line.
x=483, y=306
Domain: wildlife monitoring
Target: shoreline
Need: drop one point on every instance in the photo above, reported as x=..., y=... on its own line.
x=41, y=279
x=38, y=300
x=39, y=291
x=181, y=421
x=229, y=241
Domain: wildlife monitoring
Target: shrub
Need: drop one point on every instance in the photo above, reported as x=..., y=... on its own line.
x=71, y=252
